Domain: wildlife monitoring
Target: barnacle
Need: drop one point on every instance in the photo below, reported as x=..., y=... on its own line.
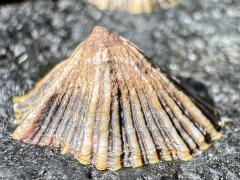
x=134, y=6
x=109, y=107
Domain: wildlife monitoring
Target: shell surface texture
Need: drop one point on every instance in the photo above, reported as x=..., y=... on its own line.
x=133, y=6
x=107, y=106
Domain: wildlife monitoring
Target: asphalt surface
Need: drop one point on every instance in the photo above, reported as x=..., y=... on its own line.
x=199, y=40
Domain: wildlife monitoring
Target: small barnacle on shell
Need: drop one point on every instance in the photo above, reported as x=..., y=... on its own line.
x=134, y=6
x=109, y=107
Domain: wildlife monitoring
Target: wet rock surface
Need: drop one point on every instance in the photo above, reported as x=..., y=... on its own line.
x=198, y=40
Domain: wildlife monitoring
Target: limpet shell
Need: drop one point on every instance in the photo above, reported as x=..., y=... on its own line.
x=133, y=6
x=109, y=107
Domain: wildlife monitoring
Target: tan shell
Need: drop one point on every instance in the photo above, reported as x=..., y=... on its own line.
x=134, y=6
x=108, y=106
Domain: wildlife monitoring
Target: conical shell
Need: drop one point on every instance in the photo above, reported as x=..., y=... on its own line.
x=134, y=6
x=108, y=106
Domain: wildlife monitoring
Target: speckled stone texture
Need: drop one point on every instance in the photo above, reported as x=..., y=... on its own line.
x=199, y=40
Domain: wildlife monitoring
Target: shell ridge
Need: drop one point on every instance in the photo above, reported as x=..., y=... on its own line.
x=145, y=139
x=194, y=112
x=85, y=103
x=199, y=127
x=71, y=126
x=165, y=123
x=170, y=107
x=81, y=115
x=135, y=152
x=161, y=137
x=102, y=148
x=155, y=133
x=39, y=84
x=130, y=89
x=186, y=137
x=28, y=128
x=29, y=125
x=126, y=150
x=155, y=103
x=187, y=125
x=125, y=145
x=103, y=64
x=46, y=137
x=45, y=122
x=182, y=132
x=115, y=141
x=73, y=122
x=98, y=118
x=22, y=103
x=85, y=150
x=205, y=107
x=60, y=132
x=84, y=98
x=136, y=125
x=50, y=136
x=155, y=116
x=200, y=141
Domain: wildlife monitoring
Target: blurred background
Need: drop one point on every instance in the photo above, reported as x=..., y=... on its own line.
x=197, y=40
